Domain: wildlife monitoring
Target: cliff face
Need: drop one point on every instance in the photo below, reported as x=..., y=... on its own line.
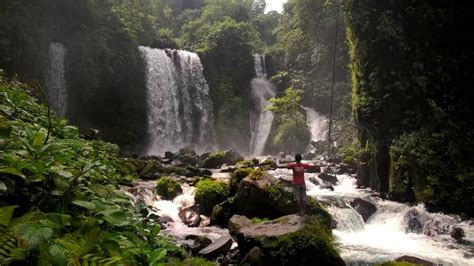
x=103, y=70
x=410, y=63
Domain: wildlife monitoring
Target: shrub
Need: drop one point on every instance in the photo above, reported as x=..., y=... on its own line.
x=168, y=188
x=210, y=193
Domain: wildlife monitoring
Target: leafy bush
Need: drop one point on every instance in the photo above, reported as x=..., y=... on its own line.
x=168, y=188
x=62, y=195
x=210, y=193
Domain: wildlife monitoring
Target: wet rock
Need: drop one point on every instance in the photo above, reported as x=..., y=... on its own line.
x=221, y=213
x=200, y=243
x=314, y=169
x=457, y=233
x=165, y=220
x=190, y=216
x=218, y=247
x=253, y=258
x=412, y=222
x=314, y=180
x=170, y=156
x=415, y=260
x=304, y=236
x=436, y=227
x=216, y=159
x=326, y=185
x=364, y=208
x=205, y=172
x=328, y=178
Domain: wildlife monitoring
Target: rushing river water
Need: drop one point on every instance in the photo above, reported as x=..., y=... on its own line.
x=381, y=238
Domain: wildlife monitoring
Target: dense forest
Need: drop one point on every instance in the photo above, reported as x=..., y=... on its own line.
x=172, y=92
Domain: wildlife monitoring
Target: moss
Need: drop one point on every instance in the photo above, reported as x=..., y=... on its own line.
x=397, y=263
x=168, y=188
x=214, y=160
x=209, y=193
x=314, y=243
x=237, y=176
x=258, y=220
x=192, y=262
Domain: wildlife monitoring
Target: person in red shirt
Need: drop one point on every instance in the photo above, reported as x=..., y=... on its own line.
x=299, y=186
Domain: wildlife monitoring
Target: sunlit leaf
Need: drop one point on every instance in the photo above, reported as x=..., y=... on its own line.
x=6, y=214
x=116, y=217
x=85, y=204
x=12, y=171
x=39, y=139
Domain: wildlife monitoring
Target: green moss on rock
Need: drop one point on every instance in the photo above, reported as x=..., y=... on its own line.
x=315, y=243
x=210, y=193
x=168, y=188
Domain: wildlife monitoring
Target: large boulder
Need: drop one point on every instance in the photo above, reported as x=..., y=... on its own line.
x=217, y=159
x=328, y=178
x=262, y=195
x=364, y=208
x=210, y=193
x=168, y=188
x=288, y=240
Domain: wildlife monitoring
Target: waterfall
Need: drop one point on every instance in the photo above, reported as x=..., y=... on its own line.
x=179, y=109
x=317, y=124
x=261, y=121
x=55, y=79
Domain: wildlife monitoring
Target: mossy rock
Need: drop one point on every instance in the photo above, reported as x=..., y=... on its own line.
x=314, y=243
x=210, y=193
x=168, y=188
x=288, y=240
x=217, y=159
x=237, y=176
x=222, y=212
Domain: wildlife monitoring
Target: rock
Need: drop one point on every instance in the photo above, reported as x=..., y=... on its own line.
x=216, y=159
x=221, y=213
x=218, y=247
x=253, y=258
x=364, y=208
x=412, y=222
x=170, y=156
x=205, y=172
x=189, y=216
x=326, y=185
x=328, y=178
x=168, y=188
x=200, y=243
x=457, y=233
x=313, y=180
x=305, y=237
x=314, y=169
x=436, y=227
x=415, y=260
x=262, y=195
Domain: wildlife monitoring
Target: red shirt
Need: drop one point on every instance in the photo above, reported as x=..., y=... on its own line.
x=298, y=172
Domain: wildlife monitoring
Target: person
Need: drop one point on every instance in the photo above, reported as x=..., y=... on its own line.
x=299, y=185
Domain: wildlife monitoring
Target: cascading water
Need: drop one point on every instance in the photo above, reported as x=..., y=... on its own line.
x=261, y=122
x=178, y=102
x=384, y=237
x=318, y=125
x=55, y=79
x=143, y=194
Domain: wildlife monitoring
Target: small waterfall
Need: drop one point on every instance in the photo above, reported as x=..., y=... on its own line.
x=317, y=124
x=178, y=102
x=55, y=79
x=261, y=122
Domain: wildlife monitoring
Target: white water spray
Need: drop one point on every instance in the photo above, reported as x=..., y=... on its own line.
x=55, y=79
x=318, y=125
x=179, y=106
x=261, y=122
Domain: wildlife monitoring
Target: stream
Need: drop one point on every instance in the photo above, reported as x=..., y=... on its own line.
x=382, y=238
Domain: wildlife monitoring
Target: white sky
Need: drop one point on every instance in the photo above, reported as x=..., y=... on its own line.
x=275, y=5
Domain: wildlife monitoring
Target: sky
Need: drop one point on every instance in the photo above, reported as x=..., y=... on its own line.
x=275, y=5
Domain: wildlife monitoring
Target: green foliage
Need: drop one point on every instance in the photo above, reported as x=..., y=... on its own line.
x=64, y=204
x=290, y=132
x=409, y=99
x=210, y=193
x=168, y=188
